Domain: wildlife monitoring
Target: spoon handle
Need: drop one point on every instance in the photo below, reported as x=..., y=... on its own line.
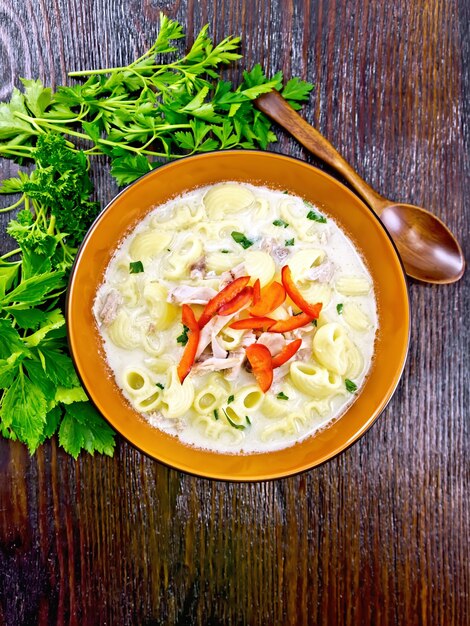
x=278, y=109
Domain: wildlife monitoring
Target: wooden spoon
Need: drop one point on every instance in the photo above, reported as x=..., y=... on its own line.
x=428, y=249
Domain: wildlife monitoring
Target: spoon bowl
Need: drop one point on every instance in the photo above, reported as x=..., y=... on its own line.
x=431, y=252
x=428, y=250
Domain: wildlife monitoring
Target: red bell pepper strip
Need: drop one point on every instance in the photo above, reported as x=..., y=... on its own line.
x=253, y=323
x=261, y=363
x=223, y=297
x=271, y=298
x=235, y=304
x=311, y=309
x=296, y=321
x=256, y=291
x=286, y=353
x=190, y=349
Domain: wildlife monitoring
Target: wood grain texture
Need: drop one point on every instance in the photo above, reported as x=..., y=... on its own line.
x=378, y=535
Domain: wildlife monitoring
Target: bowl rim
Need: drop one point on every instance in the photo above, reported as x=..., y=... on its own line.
x=270, y=475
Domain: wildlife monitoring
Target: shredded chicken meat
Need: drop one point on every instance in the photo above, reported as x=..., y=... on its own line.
x=187, y=294
x=110, y=307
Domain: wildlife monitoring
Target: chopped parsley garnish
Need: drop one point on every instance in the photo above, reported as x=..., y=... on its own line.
x=339, y=308
x=241, y=239
x=350, y=386
x=290, y=242
x=232, y=423
x=316, y=217
x=135, y=267
x=314, y=322
x=280, y=223
x=285, y=192
x=183, y=338
x=230, y=399
x=282, y=396
x=225, y=251
x=248, y=420
x=216, y=414
x=160, y=385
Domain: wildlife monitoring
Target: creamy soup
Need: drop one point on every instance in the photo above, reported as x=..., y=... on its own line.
x=279, y=311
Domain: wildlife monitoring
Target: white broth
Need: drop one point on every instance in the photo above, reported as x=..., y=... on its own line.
x=184, y=253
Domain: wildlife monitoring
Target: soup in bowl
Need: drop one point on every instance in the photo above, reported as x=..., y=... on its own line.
x=247, y=314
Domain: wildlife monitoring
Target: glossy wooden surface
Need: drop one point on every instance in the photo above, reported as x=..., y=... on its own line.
x=429, y=251
x=380, y=534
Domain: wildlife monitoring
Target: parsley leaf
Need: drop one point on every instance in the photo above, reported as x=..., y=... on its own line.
x=280, y=223
x=183, y=338
x=290, y=242
x=295, y=91
x=230, y=399
x=136, y=267
x=282, y=396
x=241, y=239
x=350, y=386
x=339, y=308
x=316, y=217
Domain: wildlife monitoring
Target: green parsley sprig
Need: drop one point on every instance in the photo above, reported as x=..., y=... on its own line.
x=156, y=108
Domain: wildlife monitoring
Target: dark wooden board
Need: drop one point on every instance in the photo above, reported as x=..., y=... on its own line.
x=378, y=535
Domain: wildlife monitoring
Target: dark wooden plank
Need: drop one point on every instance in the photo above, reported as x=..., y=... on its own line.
x=378, y=535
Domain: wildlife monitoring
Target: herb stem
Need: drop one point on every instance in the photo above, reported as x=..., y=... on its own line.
x=50, y=228
x=13, y=206
x=7, y=255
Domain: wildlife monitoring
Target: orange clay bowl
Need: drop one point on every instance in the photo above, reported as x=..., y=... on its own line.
x=278, y=172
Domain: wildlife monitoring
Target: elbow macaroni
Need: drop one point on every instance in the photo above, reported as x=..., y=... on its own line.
x=219, y=405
